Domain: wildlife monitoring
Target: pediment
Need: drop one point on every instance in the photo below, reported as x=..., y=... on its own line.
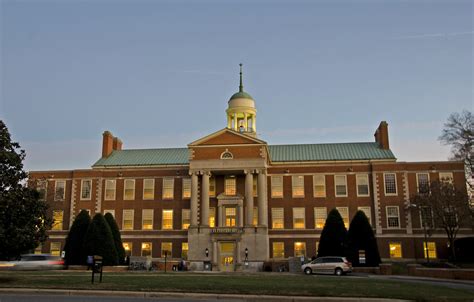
x=226, y=137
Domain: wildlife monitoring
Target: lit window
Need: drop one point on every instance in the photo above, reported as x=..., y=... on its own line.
x=277, y=218
x=230, y=183
x=278, y=249
x=366, y=211
x=185, y=218
x=184, y=250
x=319, y=185
x=255, y=216
x=147, y=219
x=148, y=189
x=55, y=249
x=60, y=190
x=146, y=249
x=41, y=187
x=297, y=185
x=430, y=249
x=320, y=215
x=38, y=249
x=390, y=184
x=127, y=246
x=212, y=187
x=362, y=185
x=167, y=249
x=86, y=189
x=255, y=187
x=127, y=220
x=110, y=185
x=112, y=212
x=446, y=177
x=212, y=217
x=299, y=218
x=426, y=217
x=277, y=186
x=230, y=217
x=58, y=220
x=395, y=250
x=168, y=188
x=341, y=185
x=186, y=188
x=423, y=183
x=393, y=218
x=300, y=249
x=129, y=189
x=344, y=211
x=167, y=221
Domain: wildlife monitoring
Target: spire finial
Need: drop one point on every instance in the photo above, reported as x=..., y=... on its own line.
x=241, y=87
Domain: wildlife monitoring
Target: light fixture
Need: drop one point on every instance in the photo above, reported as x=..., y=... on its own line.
x=246, y=252
x=287, y=171
x=207, y=252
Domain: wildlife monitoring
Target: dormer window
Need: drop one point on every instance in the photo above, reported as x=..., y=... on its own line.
x=227, y=155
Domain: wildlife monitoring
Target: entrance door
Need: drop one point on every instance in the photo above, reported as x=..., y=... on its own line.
x=227, y=260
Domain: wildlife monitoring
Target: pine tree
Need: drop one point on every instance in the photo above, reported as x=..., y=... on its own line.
x=99, y=241
x=361, y=237
x=117, y=237
x=75, y=239
x=333, y=236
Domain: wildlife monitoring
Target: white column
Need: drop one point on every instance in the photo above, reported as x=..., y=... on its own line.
x=240, y=215
x=205, y=199
x=229, y=121
x=239, y=257
x=249, y=197
x=254, y=123
x=194, y=199
x=262, y=198
x=214, y=252
x=245, y=121
x=236, y=126
x=220, y=222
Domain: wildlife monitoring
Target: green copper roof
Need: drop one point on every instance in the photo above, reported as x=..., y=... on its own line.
x=241, y=95
x=278, y=153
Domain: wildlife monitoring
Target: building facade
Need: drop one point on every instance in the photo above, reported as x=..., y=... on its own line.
x=233, y=200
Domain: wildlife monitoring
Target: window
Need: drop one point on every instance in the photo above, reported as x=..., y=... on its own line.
x=184, y=250
x=450, y=216
x=41, y=187
x=426, y=217
x=341, y=185
x=148, y=189
x=230, y=217
x=110, y=186
x=38, y=249
x=393, y=219
x=277, y=218
x=367, y=212
x=212, y=217
x=254, y=186
x=277, y=186
x=362, y=184
x=230, y=183
x=187, y=188
x=168, y=188
x=297, y=185
x=395, y=249
x=55, y=249
x=299, y=218
x=86, y=189
x=446, y=177
x=60, y=190
x=127, y=246
x=390, y=181
x=319, y=185
x=147, y=219
x=57, y=220
x=112, y=212
x=129, y=189
x=344, y=211
x=320, y=215
x=167, y=220
x=255, y=216
x=422, y=183
x=127, y=220
x=167, y=249
x=146, y=249
x=278, y=249
x=300, y=249
x=212, y=187
x=430, y=249
x=185, y=218
x=227, y=155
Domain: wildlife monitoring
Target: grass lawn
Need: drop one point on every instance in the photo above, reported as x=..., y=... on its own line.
x=265, y=284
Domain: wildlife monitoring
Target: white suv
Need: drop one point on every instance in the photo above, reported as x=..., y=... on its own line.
x=331, y=264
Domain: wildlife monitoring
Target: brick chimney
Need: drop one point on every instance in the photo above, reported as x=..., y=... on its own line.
x=381, y=135
x=110, y=143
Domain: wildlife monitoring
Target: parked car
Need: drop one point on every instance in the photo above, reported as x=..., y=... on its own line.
x=38, y=262
x=331, y=264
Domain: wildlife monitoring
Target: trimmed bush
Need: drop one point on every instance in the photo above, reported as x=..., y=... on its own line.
x=333, y=236
x=361, y=237
x=117, y=237
x=99, y=241
x=75, y=239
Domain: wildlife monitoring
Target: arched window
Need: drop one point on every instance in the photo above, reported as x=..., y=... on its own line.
x=227, y=155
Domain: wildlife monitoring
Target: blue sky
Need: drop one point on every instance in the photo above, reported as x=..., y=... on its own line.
x=159, y=73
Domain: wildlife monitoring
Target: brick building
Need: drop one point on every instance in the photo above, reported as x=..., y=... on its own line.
x=230, y=197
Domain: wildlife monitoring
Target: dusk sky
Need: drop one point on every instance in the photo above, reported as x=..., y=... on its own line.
x=160, y=73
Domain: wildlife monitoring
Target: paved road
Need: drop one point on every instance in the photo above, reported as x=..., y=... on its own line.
x=59, y=298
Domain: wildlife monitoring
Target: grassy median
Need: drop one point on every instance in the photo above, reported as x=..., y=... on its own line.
x=262, y=284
